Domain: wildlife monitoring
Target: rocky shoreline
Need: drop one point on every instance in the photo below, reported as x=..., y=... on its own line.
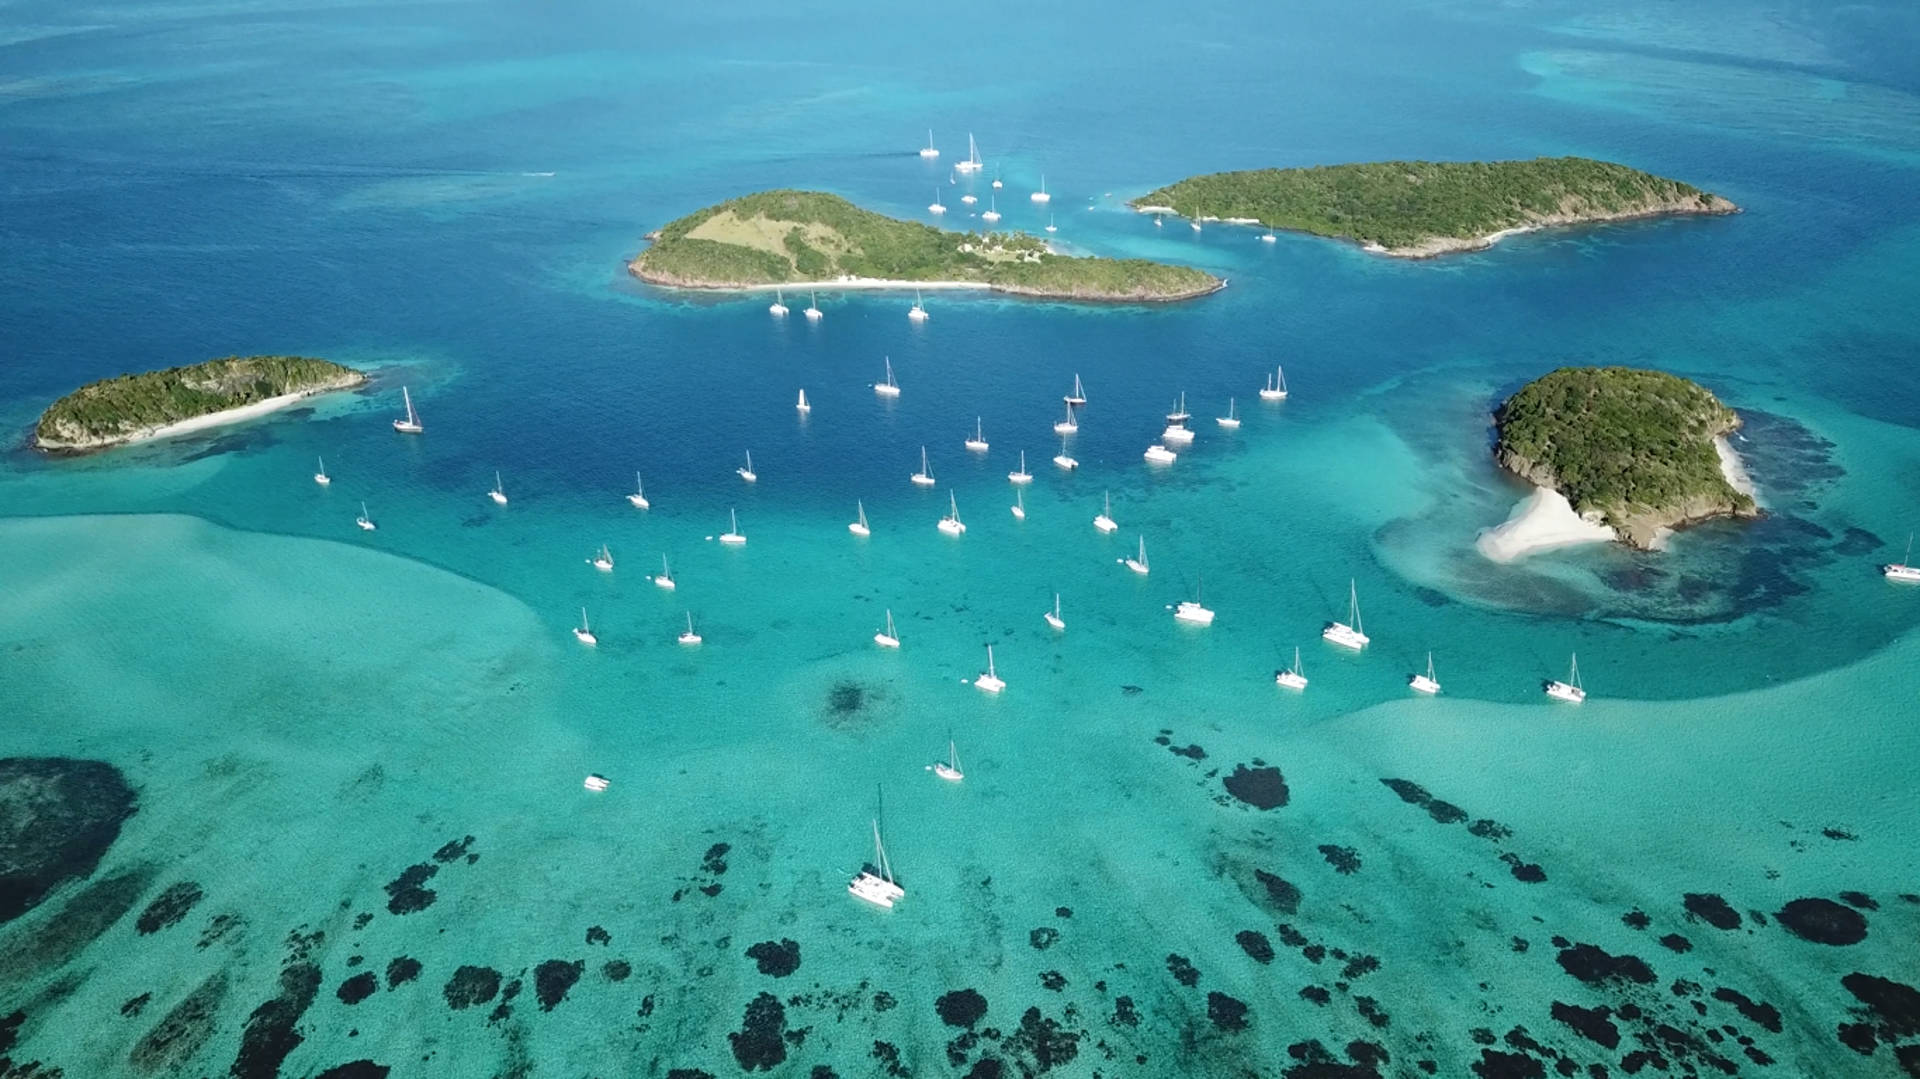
x=1448, y=245
x=638, y=268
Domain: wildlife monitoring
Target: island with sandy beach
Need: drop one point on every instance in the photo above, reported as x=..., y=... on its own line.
x=813, y=240
x=1419, y=209
x=179, y=400
x=1615, y=453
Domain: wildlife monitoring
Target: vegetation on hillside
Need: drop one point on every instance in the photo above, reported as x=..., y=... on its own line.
x=794, y=237
x=116, y=408
x=1621, y=441
x=1404, y=205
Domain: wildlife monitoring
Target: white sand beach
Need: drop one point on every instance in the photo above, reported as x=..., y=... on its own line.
x=1542, y=521
x=1734, y=469
x=842, y=284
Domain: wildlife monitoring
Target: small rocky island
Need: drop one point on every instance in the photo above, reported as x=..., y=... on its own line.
x=808, y=238
x=1419, y=209
x=1634, y=451
x=131, y=408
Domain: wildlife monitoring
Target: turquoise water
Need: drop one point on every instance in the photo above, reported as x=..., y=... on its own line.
x=446, y=194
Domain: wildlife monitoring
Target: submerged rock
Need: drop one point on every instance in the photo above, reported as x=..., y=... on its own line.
x=175, y=1039
x=776, y=958
x=1712, y=909
x=1226, y=1012
x=58, y=815
x=761, y=1040
x=1596, y=967
x=1261, y=788
x=471, y=985
x=553, y=978
x=961, y=1007
x=272, y=1031
x=169, y=907
x=1823, y=921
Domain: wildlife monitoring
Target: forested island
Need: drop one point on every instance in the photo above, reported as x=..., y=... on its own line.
x=130, y=408
x=1418, y=209
x=1631, y=449
x=808, y=238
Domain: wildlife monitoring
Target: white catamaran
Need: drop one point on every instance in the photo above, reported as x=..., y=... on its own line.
x=1105, y=522
x=875, y=883
x=950, y=524
x=1903, y=570
x=1022, y=476
x=1193, y=610
x=1348, y=634
x=1138, y=563
x=888, y=637
x=988, y=680
x=1569, y=690
x=733, y=537
x=1425, y=683
x=1291, y=677
x=972, y=163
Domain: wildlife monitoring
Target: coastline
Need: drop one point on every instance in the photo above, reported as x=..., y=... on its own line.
x=1734, y=469
x=194, y=423
x=874, y=284
x=1542, y=521
x=1435, y=246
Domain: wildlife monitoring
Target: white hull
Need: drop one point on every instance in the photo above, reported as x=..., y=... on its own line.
x=859, y=529
x=406, y=428
x=990, y=683
x=968, y=199
x=990, y=216
x=814, y=314
x=1345, y=636
x=1019, y=477
x=1041, y=196
x=499, y=499
x=1273, y=395
x=322, y=478
x=921, y=479
x=689, y=638
x=977, y=445
x=1105, y=523
x=748, y=474
x=365, y=525
x=1136, y=566
x=1193, y=612
x=1066, y=462
x=1178, y=436
x=1420, y=683
x=1560, y=691
x=585, y=636
x=1290, y=680
x=1065, y=427
x=917, y=314
x=951, y=527
x=887, y=390
x=1019, y=512
x=1228, y=422
x=603, y=565
x=872, y=889
x=733, y=539
x=662, y=582
x=595, y=783
x=1055, y=621
x=777, y=310
x=1160, y=455
x=886, y=640
x=947, y=772
x=1899, y=572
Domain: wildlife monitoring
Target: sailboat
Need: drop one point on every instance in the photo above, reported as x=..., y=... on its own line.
x=1193, y=610
x=928, y=150
x=584, y=631
x=1138, y=563
x=1177, y=430
x=1105, y=522
x=778, y=308
x=1041, y=195
x=1067, y=426
x=1902, y=570
x=1053, y=617
x=733, y=537
x=747, y=473
x=813, y=311
x=1569, y=690
x=639, y=496
x=1022, y=476
x=887, y=638
x=1425, y=683
x=1269, y=238
x=499, y=493
x=802, y=406
x=602, y=561
x=321, y=476
x=1230, y=421
x=978, y=443
x=411, y=424
x=887, y=387
x=988, y=680
x=365, y=522
x=664, y=578
x=997, y=185
x=689, y=637
x=1159, y=454
x=924, y=477
x=1291, y=677
x=918, y=312
x=1079, y=394
x=949, y=769
x=993, y=210
x=936, y=207
x=1051, y=227
x=968, y=198
x=1019, y=505
x=950, y=524
x=875, y=883
x=1194, y=221
x=1063, y=460
x=1276, y=387
x=1348, y=634
x=859, y=527
x=972, y=163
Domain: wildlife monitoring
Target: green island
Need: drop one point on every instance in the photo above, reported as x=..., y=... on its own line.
x=1418, y=209
x=1637, y=450
x=803, y=238
x=130, y=408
